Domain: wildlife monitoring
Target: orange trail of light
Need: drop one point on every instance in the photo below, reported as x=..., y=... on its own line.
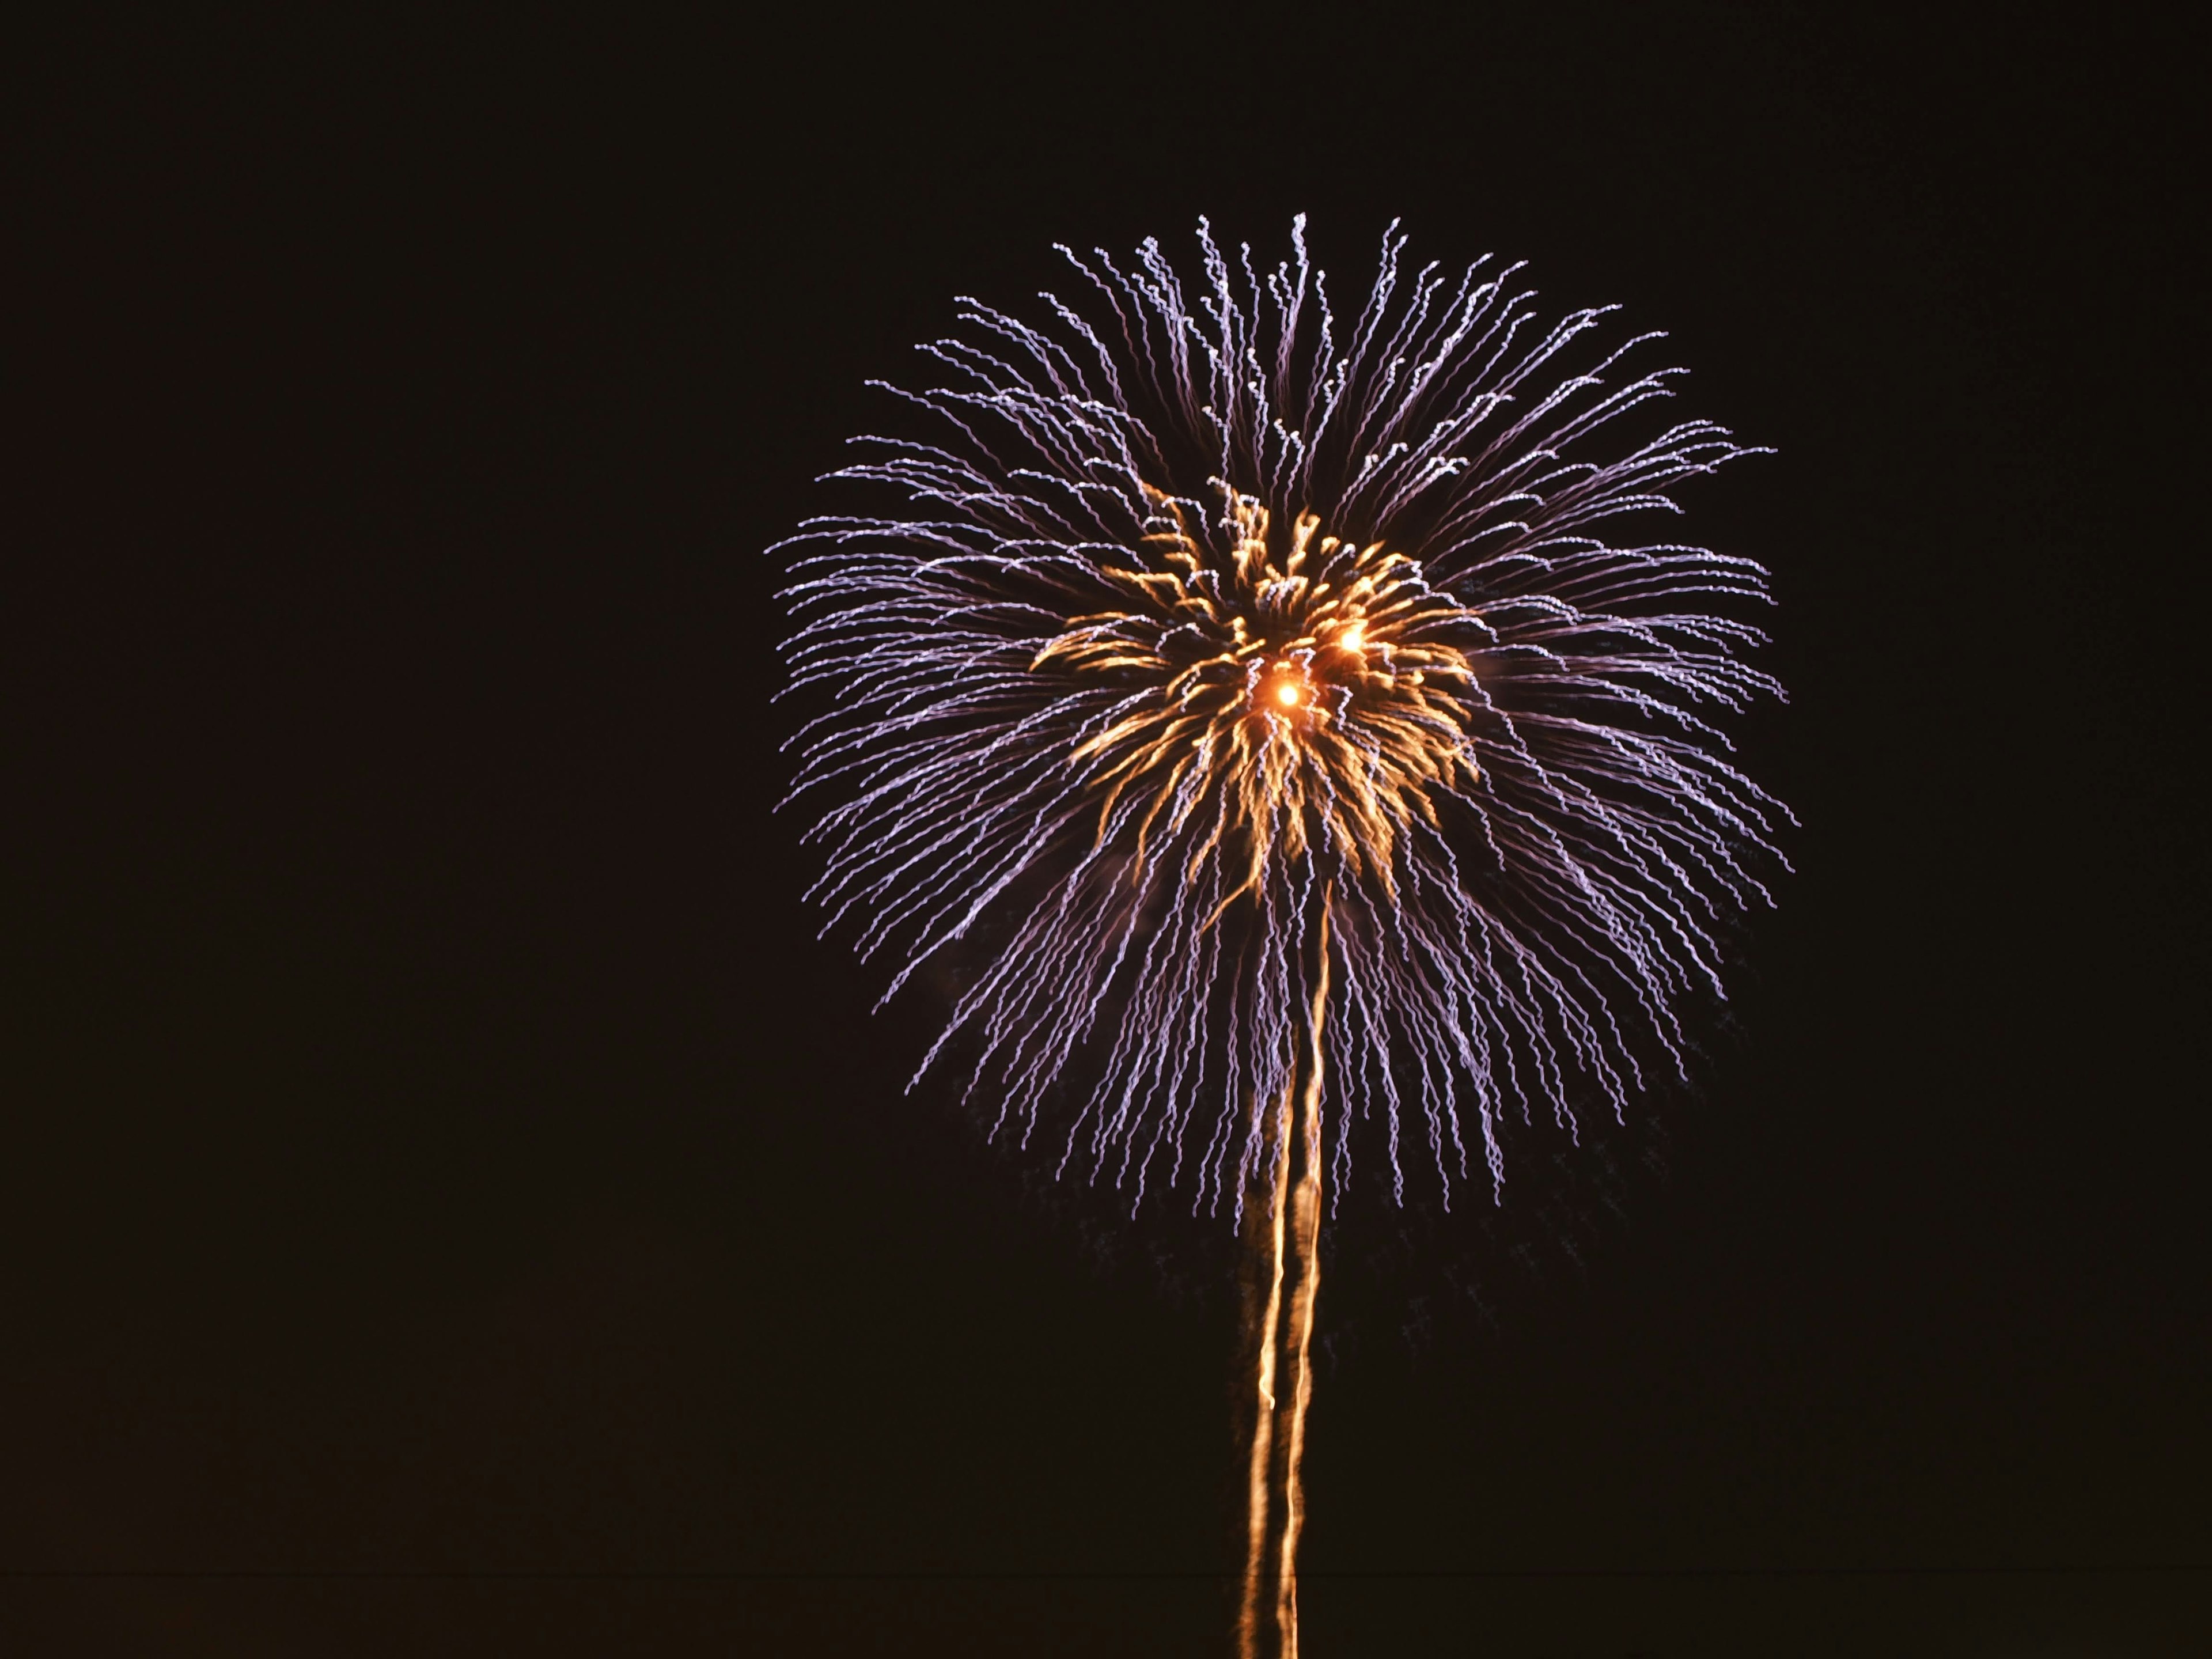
x=1263, y=1426
x=1307, y=1226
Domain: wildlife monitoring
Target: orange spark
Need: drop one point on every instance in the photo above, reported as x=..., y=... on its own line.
x=1380, y=721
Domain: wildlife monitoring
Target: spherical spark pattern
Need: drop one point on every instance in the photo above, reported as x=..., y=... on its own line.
x=1196, y=617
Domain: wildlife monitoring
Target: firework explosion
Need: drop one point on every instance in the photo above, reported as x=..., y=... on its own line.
x=1223, y=671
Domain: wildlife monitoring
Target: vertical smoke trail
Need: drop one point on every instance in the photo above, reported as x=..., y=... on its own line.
x=1284, y=1360
x=1306, y=1230
x=1259, y=1504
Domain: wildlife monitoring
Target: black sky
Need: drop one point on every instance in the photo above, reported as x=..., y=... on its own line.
x=453, y=1204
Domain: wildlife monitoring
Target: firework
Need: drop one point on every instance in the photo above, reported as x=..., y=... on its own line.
x=1221, y=668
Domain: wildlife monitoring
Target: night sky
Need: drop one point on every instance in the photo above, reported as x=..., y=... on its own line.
x=451, y=1203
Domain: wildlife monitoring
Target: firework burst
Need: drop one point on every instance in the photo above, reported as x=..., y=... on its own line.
x=1191, y=611
x=1222, y=669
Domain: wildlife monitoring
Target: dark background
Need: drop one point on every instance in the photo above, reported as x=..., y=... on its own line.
x=450, y=1201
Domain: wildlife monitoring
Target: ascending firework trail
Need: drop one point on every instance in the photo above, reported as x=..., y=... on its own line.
x=1261, y=691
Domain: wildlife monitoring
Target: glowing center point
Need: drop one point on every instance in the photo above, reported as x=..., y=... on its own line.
x=1287, y=694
